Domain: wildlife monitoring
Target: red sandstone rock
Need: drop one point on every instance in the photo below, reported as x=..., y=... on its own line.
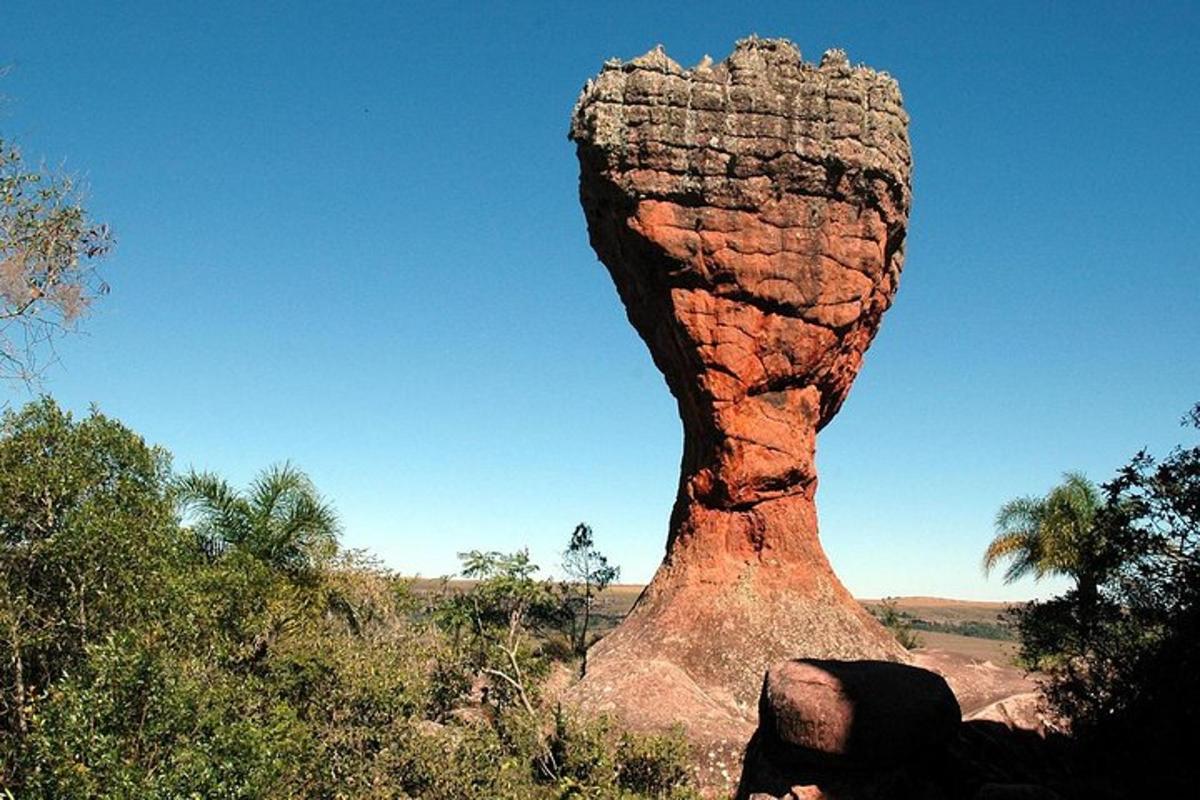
x=867, y=713
x=752, y=214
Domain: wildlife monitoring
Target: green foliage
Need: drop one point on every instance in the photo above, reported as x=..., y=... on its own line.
x=595, y=761
x=240, y=655
x=87, y=544
x=588, y=573
x=498, y=622
x=138, y=721
x=898, y=622
x=1122, y=658
x=656, y=765
x=1051, y=535
x=280, y=520
x=48, y=251
x=973, y=628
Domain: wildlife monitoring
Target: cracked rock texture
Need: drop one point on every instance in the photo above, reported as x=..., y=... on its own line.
x=752, y=214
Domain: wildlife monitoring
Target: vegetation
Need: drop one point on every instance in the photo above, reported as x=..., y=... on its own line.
x=976, y=629
x=49, y=248
x=1053, y=535
x=898, y=622
x=280, y=521
x=1120, y=648
x=905, y=623
x=171, y=637
x=590, y=571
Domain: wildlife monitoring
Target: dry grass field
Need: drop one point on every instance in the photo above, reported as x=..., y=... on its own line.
x=998, y=651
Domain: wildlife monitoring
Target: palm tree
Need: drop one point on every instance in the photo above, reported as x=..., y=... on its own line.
x=1052, y=535
x=280, y=520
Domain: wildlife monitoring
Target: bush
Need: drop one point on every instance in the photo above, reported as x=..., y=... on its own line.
x=655, y=765
x=231, y=658
x=88, y=546
x=898, y=622
x=1122, y=661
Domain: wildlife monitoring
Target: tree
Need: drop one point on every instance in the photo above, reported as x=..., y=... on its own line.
x=141, y=659
x=281, y=520
x=503, y=613
x=1053, y=535
x=49, y=249
x=86, y=525
x=1125, y=680
x=590, y=570
x=900, y=623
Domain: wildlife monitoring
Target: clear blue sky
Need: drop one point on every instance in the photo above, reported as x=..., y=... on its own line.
x=348, y=236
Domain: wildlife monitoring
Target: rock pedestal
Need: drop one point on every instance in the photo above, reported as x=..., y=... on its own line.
x=752, y=214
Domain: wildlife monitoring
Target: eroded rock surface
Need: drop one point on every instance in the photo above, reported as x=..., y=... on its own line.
x=752, y=214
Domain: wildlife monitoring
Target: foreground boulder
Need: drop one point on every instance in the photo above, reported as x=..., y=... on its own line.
x=752, y=214
x=854, y=730
x=859, y=713
x=869, y=730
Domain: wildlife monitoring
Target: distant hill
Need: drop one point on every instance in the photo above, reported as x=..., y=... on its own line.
x=971, y=627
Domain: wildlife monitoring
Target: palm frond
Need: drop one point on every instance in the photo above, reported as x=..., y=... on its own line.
x=311, y=524
x=1022, y=513
x=273, y=485
x=1017, y=524
x=220, y=510
x=294, y=528
x=1048, y=535
x=1017, y=547
x=280, y=520
x=1070, y=522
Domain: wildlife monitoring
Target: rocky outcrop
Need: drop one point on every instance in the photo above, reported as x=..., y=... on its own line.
x=854, y=729
x=976, y=683
x=856, y=713
x=752, y=214
x=870, y=730
x=1026, y=712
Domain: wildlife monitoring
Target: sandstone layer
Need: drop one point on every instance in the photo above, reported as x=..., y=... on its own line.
x=752, y=214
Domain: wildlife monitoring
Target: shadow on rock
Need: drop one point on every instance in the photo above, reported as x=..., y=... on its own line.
x=882, y=731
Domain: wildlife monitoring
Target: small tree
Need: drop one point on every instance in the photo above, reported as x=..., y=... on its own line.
x=898, y=622
x=48, y=253
x=502, y=614
x=590, y=571
x=1055, y=535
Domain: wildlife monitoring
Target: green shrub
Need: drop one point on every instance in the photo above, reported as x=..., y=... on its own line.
x=898, y=622
x=231, y=659
x=654, y=765
x=1121, y=655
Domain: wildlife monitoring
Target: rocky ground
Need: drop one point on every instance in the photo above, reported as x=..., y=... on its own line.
x=1004, y=744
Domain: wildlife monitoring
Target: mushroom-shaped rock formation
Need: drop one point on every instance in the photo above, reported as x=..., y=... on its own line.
x=752, y=214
